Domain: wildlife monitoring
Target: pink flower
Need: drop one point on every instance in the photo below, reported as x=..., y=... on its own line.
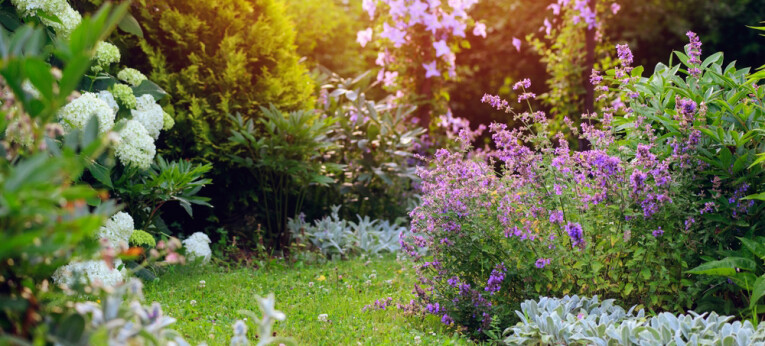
x=417, y=10
x=390, y=78
x=517, y=44
x=382, y=58
x=480, y=30
x=369, y=6
x=441, y=48
x=431, y=70
x=555, y=8
x=547, y=26
x=431, y=22
x=364, y=36
x=393, y=34
x=615, y=8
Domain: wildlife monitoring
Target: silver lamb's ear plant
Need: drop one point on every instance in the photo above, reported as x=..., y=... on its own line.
x=262, y=324
x=574, y=320
x=334, y=236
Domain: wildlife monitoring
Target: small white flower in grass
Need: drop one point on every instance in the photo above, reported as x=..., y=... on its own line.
x=197, y=246
x=193, y=302
x=323, y=317
x=373, y=276
x=417, y=340
x=202, y=283
x=310, y=284
x=368, y=282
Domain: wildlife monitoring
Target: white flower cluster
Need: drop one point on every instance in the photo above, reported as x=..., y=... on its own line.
x=136, y=147
x=131, y=76
x=105, y=55
x=197, y=245
x=68, y=17
x=76, y=114
x=149, y=114
x=89, y=271
x=117, y=229
x=107, y=97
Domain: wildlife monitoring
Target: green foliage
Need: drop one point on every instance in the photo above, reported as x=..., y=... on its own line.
x=730, y=126
x=327, y=34
x=574, y=320
x=374, y=144
x=283, y=153
x=145, y=192
x=47, y=216
x=219, y=58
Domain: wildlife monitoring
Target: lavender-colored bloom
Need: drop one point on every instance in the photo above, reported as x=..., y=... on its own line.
x=441, y=48
x=526, y=83
x=657, y=232
x=431, y=70
x=480, y=30
x=526, y=96
x=495, y=279
x=453, y=281
x=595, y=77
x=364, y=36
x=625, y=55
x=542, y=262
x=556, y=216
x=574, y=231
x=517, y=44
x=447, y=320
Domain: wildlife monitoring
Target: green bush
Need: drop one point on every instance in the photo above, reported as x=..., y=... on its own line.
x=217, y=58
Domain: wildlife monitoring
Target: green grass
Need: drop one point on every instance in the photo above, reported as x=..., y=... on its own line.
x=348, y=286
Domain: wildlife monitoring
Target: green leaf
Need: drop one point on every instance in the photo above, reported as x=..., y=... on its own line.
x=725, y=267
x=758, y=290
x=130, y=25
x=101, y=173
x=756, y=247
x=148, y=87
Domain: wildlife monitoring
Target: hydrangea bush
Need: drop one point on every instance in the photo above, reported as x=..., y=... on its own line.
x=533, y=217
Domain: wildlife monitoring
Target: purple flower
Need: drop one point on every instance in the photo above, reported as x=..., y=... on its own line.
x=453, y=281
x=657, y=232
x=556, y=216
x=526, y=83
x=542, y=262
x=625, y=54
x=447, y=320
x=441, y=48
x=517, y=44
x=495, y=279
x=431, y=70
x=595, y=77
x=574, y=231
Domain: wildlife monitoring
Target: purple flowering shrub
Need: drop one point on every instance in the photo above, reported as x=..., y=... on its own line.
x=719, y=107
x=533, y=217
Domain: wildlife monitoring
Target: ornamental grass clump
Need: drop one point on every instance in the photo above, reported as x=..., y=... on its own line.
x=533, y=217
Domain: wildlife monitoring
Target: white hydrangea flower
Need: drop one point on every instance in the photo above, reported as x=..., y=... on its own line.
x=69, y=18
x=89, y=271
x=197, y=245
x=105, y=55
x=150, y=115
x=76, y=114
x=136, y=147
x=131, y=76
x=117, y=229
x=107, y=97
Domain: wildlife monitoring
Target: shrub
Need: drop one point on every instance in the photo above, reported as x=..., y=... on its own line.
x=374, y=146
x=220, y=58
x=533, y=218
x=573, y=320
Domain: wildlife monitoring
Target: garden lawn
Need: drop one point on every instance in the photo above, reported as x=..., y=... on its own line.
x=340, y=289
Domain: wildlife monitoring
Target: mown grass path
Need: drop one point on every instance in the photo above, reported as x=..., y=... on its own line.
x=339, y=289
